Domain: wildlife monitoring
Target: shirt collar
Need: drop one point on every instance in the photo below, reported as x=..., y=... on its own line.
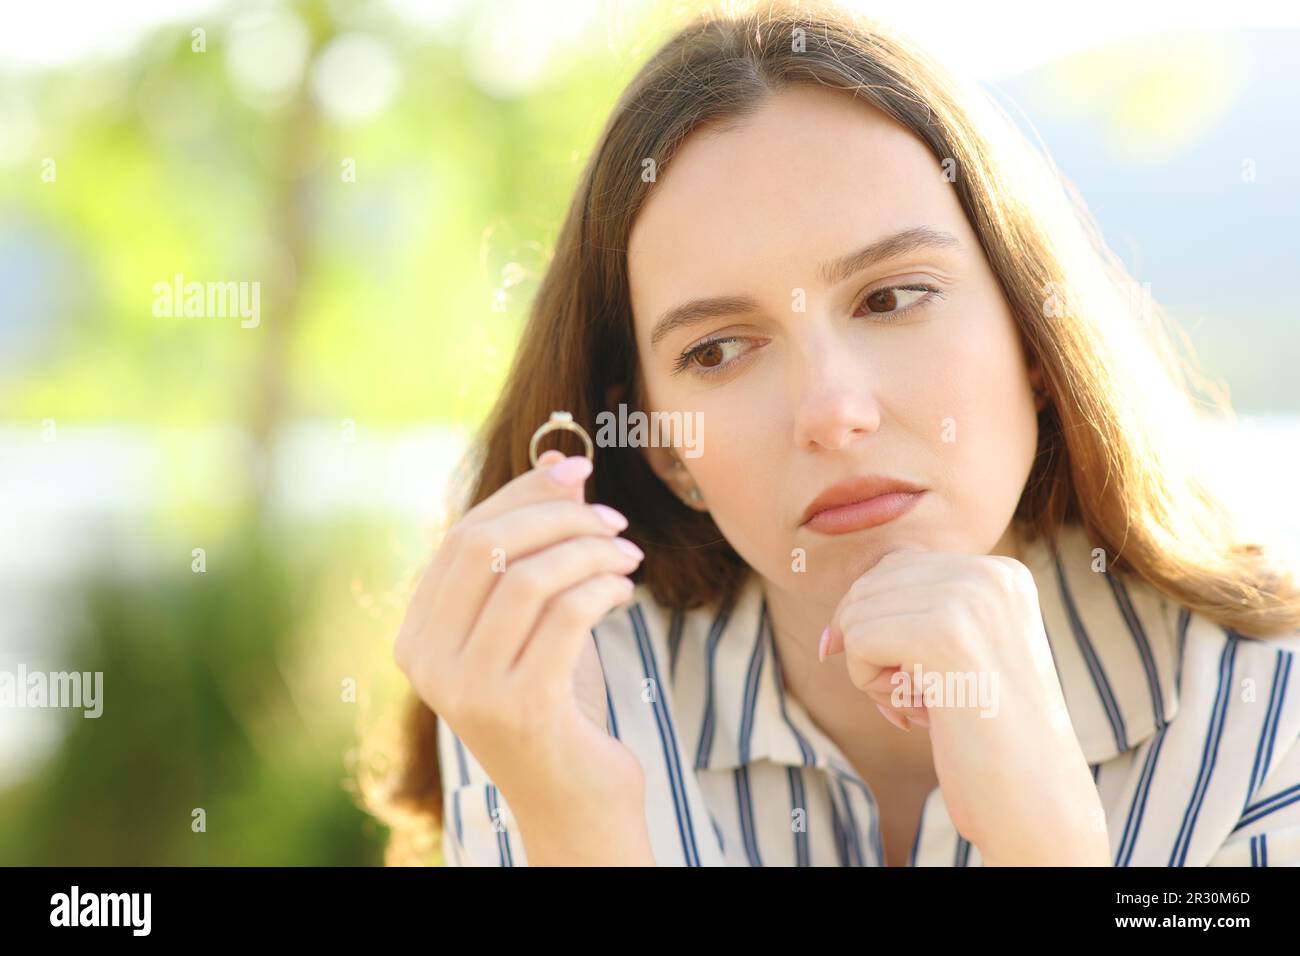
x=1114, y=643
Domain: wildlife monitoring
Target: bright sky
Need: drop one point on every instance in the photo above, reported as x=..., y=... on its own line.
x=987, y=39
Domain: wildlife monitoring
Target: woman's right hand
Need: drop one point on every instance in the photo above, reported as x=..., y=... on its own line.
x=497, y=640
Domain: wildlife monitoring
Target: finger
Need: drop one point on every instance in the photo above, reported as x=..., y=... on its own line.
x=443, y=556
x=891, y=641
x=552, y=652
x=418, y=609
x=893, y=716
x=912, y=596
x=861, y=590
x=894, y=688
x=465, y=542
x=548, y=480
x=897, y=697
x=551, y=480
x=485, y=551
x=531, y=528
x=512, y=610
x=893, y=694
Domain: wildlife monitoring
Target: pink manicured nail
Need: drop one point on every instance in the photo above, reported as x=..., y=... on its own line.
x=897, y=720
x=571, y=471
x=611, y=517
x=628, y=548
x=821, y=645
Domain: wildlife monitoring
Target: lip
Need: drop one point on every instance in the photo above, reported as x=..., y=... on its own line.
x=860, y=503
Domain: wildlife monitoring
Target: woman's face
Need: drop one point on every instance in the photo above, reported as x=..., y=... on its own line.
x=823, y=375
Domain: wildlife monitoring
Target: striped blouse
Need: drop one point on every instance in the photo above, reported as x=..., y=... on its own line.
x=1192, y=732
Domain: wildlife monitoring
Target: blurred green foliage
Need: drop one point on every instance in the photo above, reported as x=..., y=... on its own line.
x=396, y=255
x=163, y=169
x=223, y=691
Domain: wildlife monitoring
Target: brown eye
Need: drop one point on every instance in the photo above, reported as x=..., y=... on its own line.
x=710, y=358
x=888, y=304
x=885, y=300
x=710, y=355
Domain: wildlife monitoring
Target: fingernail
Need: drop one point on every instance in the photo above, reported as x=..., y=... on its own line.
x=571, y=471
x=611, y=517
x=822, y=644
x=628, y=548
x=896, y=719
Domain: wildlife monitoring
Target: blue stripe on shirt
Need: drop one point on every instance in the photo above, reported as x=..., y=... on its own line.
x=705, y=743
x=1274, y=803
x=1144, y=646
x=503, y=835
x=750, y=699
x=852, y=835
x=962, y=855
x=842, y=852
x=1209, y=754
x=802, y=847
x=1136, y=810
x=1259, y=850
x=667, y=739
x=805, y=748
x=745, y=806
x=1264, y=751
x=1184, y=619
x=1099, y=679
x=460, y=829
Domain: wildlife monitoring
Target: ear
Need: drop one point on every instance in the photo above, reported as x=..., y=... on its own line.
x=1036, y=383
x=664, y=462
x=668, y=466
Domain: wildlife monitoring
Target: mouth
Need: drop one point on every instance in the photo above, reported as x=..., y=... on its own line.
x=860, y=503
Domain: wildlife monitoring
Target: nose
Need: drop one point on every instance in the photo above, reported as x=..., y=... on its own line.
x=835, y=401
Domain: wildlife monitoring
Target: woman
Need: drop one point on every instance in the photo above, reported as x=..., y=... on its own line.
x=940, y=585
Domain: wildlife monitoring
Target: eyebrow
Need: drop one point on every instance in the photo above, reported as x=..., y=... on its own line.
x=836, y=270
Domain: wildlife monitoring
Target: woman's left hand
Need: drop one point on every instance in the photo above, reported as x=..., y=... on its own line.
x=1014, y=778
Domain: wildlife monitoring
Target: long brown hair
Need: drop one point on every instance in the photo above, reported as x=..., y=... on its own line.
x=1117, y=451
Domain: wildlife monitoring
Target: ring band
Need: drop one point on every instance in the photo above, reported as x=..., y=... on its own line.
x=560, y=421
